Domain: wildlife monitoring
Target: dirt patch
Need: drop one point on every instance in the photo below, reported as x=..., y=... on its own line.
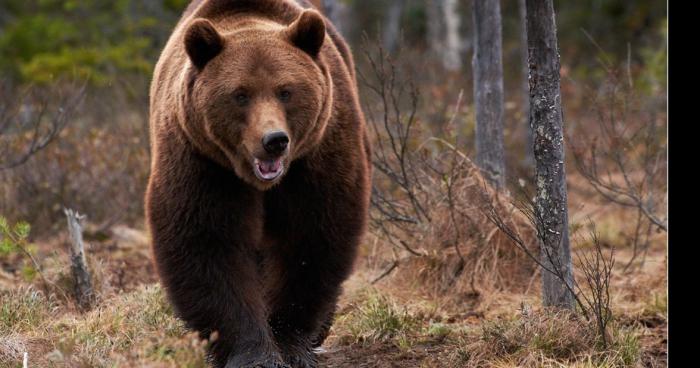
x=384, y=355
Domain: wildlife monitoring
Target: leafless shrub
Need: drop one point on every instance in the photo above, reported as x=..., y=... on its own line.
x=98, y=164
x=593, y=299
x=392, y=129
x=31, y=121
x=597, y=271
x=427, y=194
x=624, y=157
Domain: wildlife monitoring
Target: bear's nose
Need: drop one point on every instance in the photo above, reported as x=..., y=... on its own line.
x=275, y=142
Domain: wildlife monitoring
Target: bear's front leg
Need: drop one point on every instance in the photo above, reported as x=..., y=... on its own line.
x=317, y=223
x=295, y=321
x=203, y=227
x=305, y=303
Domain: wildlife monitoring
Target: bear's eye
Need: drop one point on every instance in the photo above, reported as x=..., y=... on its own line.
x=241, y=98
x=285, y=95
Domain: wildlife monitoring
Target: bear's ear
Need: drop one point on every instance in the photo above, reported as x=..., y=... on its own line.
x=202, y=42
x=307, y=32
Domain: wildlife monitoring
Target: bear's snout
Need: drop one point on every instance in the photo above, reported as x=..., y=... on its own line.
x=275, y=142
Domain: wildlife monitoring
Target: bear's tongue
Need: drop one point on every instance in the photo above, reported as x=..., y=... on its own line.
x=269, y=169
x=269, y=166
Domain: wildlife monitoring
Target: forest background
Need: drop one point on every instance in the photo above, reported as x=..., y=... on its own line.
x=451, y=287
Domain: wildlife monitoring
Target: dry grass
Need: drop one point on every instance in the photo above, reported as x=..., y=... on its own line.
x=408, y=319
x=456, y=304
x=459, y=251
x=131, y=329
x=541, y=338
x=23, y=309
x=391, y=324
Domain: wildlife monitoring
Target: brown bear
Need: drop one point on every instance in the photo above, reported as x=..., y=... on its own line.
x=260, y=177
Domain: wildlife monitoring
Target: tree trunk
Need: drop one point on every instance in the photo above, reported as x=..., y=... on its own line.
x=443, y=33
x=392, y=25
x=546, y=123
x=336, y=11
x=529, y=156
x=434, y=25
x=451, y=59
x=488, y=91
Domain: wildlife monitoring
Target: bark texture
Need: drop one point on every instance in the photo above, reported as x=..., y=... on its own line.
x=337, y=12
x=529, y=156
x=488, y=91
x=84, y=294
x=443, y=33
x=392, y=25
x=546, y=122
x=451, y=59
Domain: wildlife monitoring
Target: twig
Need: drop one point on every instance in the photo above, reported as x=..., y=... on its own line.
x=386, y=272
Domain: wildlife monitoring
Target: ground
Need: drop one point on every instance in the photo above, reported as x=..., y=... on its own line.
x=394, y=322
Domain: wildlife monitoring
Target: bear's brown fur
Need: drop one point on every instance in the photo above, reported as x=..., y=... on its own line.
x=253, y=239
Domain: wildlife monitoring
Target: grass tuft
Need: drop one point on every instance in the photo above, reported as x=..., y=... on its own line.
x=23, y=309
x=549, y=338
x=377, y=319
x=131, y=329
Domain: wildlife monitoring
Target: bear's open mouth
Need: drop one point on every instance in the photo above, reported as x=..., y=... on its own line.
x=268, y=170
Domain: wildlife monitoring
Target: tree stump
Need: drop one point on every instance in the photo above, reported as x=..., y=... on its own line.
x=84, y=295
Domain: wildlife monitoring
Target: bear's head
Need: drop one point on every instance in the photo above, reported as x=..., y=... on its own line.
x=259, y=96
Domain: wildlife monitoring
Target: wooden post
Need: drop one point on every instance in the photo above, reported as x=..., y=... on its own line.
x=84, y=294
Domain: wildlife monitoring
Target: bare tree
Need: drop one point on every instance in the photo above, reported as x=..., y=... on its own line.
x=451, y=59
x=550, y=176
x=488, y=91
x=391, y=29
x=32, y=119
x=434, y=26
x=443, y=33
x=529, y=156
x=336, y=11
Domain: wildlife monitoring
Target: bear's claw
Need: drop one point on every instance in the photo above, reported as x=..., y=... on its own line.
x=307, y=360
x=270, y=362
